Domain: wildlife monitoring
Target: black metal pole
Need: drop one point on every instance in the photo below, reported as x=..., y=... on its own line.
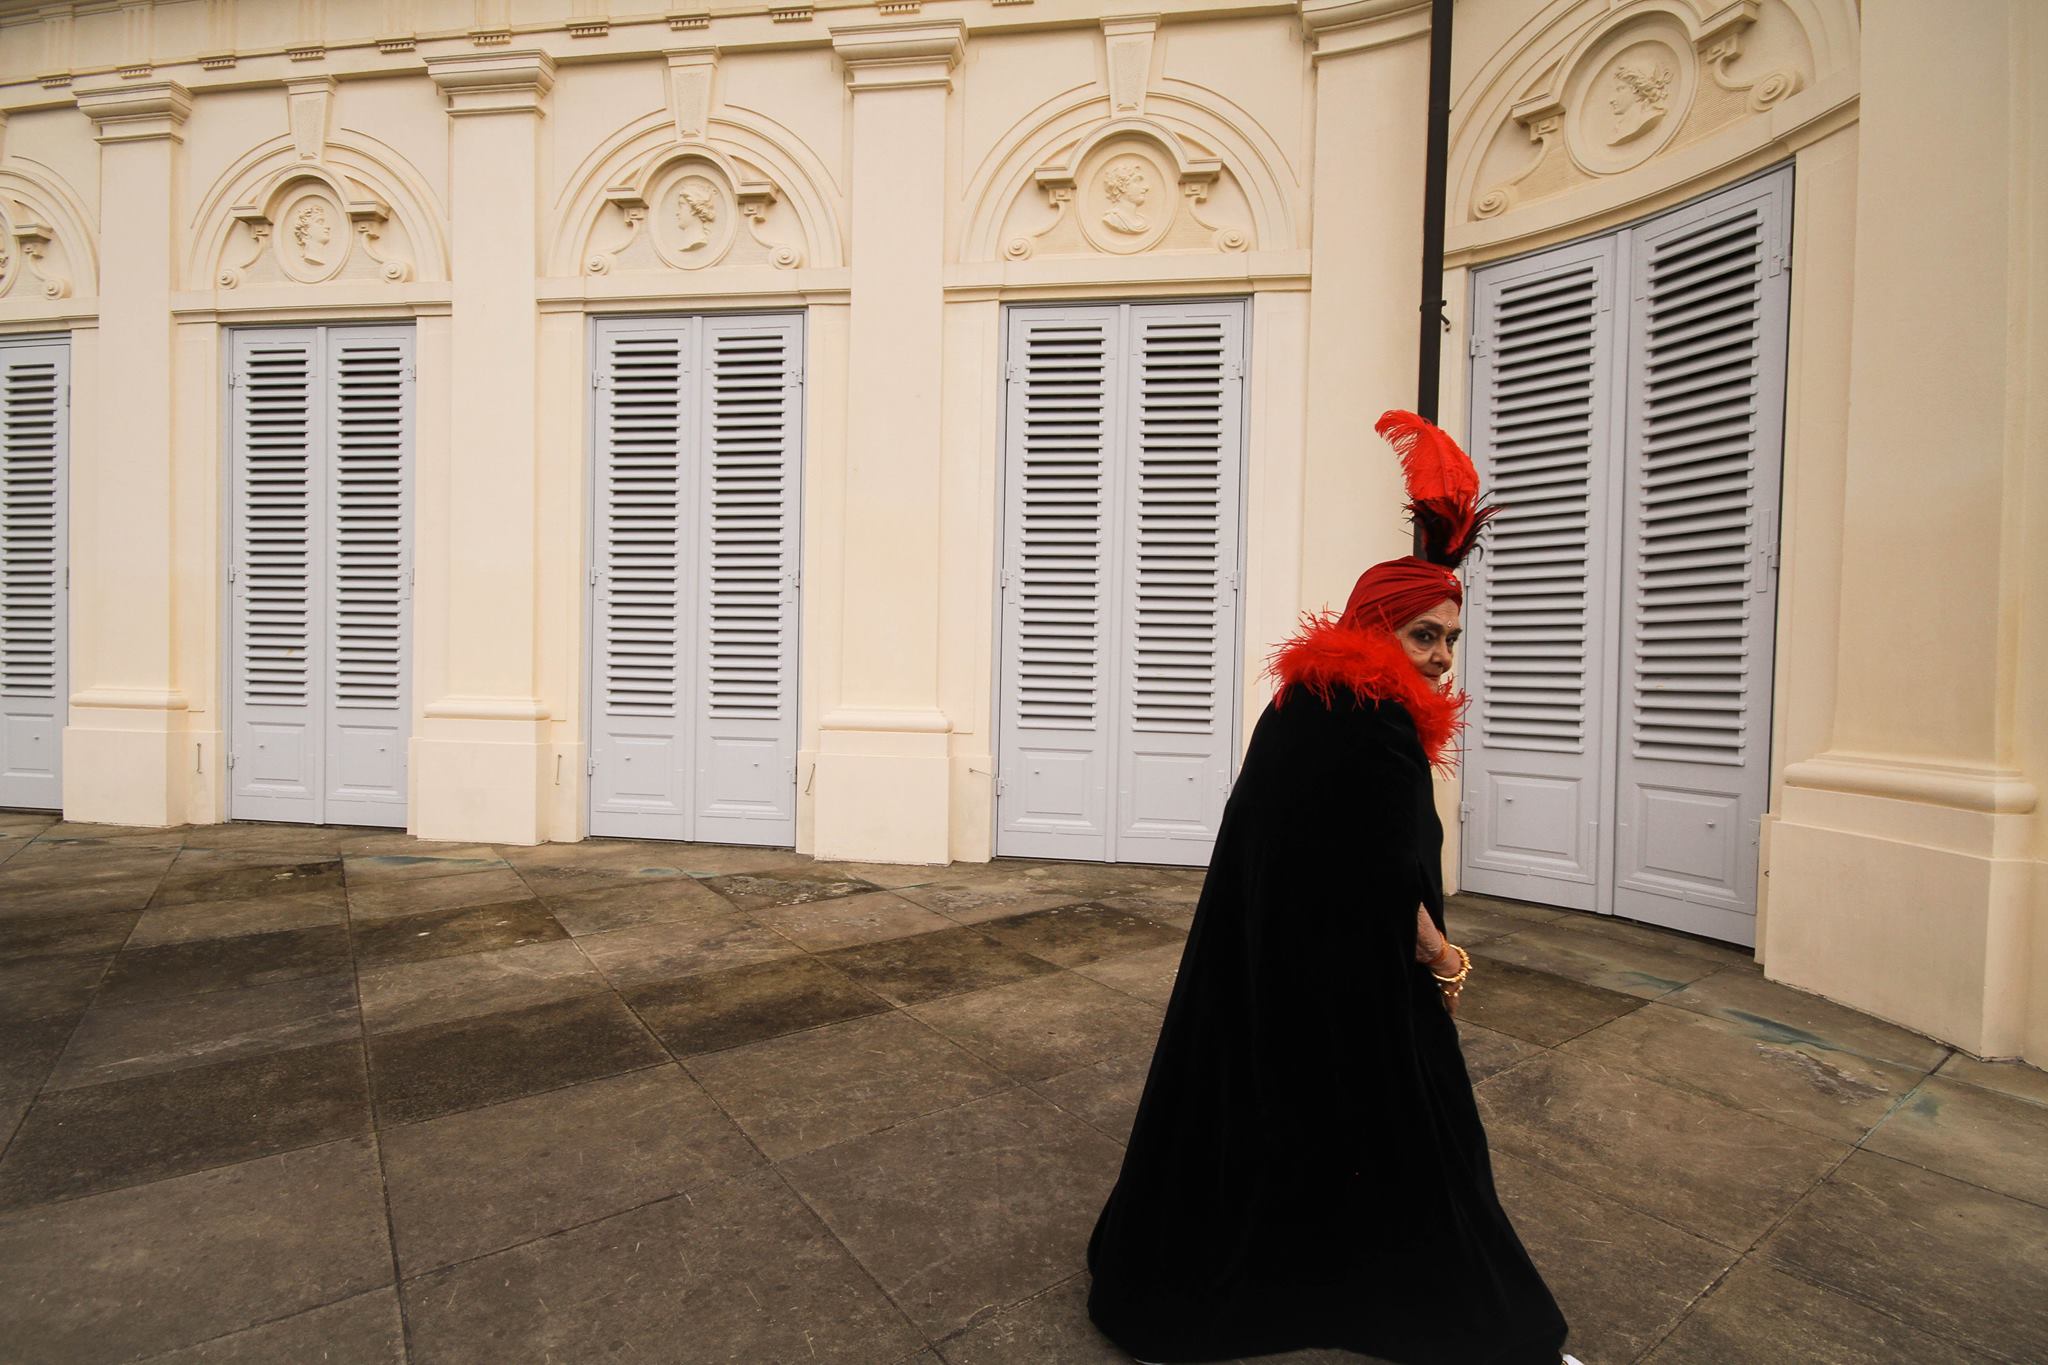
x=1436, y=151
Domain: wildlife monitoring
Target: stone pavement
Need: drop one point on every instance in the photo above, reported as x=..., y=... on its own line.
x=284, y=1094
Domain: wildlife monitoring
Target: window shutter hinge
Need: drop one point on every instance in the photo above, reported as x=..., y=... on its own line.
x=600, y=380
x=593, y=573
x=234, y=379
x=231, y=760
x=1000, y=784
x=1477, y=347
x=1016, y=373
x=1777, y=265
x=1464, y=811
x=590, y=765
x=1233, y=370
x=232, y=571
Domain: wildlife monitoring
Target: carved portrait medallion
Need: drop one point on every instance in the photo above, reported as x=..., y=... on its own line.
x=1127, y=200
x=691, y=218
x=1627, y=98
x=312, y=237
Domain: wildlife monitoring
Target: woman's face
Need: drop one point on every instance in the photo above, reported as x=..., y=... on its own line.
x=1430, y=638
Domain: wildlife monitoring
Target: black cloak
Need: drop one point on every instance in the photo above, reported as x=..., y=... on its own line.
x=1307, y=1168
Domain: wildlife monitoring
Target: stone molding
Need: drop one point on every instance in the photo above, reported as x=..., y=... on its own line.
x=515, y=82
x=1339, y=27
x=137, y=113
x=900, y=56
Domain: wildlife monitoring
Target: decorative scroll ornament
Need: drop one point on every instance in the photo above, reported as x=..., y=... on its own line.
x=1650, y=77
x=313, y=225
x=1129, y=186
x=26, y=266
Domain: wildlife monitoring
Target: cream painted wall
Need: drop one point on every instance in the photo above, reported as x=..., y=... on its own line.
x=903, y=178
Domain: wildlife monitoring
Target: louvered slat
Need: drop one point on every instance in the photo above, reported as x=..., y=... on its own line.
x=35, y=382
x=1060, y=575
x=279, y=525
x=642, y=538
x=1695, y=510
x=31, y=526
x=367, y=563
x=1177, y=554
x=747, y=647
x=1537, y=417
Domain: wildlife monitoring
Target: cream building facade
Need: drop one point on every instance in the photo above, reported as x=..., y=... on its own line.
x=903, y=429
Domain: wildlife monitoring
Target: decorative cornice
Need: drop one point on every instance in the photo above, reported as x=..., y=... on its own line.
x=494, y=83
x=137, y=112
x=1335, y=27
x=900, y=56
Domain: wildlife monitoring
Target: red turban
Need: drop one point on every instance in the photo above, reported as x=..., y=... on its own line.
x=1389, y=594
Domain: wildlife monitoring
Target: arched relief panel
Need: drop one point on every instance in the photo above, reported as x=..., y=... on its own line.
x=698, y=186
x=352, y=213
x=1588, y=92
x=46, y=251
x=691, y=208
x=1133, y=166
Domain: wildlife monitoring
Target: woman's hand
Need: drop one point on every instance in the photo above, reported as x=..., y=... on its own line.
x=1429, y=944
x=1435, y=952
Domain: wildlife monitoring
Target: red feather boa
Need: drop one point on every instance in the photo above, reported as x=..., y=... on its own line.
x=1326, y=652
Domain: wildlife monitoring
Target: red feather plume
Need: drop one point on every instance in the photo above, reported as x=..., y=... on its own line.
x=1443, y=487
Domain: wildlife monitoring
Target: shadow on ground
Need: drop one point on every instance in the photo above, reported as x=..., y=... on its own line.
x=278, y=1094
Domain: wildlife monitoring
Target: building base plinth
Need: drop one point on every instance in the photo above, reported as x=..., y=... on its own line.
x=1927, y=915
x=125, y=765
x=883, y=795
x=482, y=781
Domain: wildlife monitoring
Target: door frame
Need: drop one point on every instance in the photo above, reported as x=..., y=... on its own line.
x=1614, y=501
x=999, y=543
x=587, y=598
x=62, y=682
x=224, y=545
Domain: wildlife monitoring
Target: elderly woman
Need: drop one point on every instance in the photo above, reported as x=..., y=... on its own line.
x=1308, y=1168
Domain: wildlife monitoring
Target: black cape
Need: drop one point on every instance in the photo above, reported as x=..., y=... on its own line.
x=1307, y=1168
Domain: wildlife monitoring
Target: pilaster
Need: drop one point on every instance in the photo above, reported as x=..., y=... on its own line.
x=1371, y=71
x=1906, y=855
x=481, y=756
x=124, y=746
x=883, y=786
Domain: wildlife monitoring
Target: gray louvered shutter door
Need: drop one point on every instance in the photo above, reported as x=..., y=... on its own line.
x=369, y=374
x=1062, y=420
x=1705, y=427
x=35, y=381
x=278, y=570
x=1537, y=658
x=748, y=440
x=1180, y=470
x=642, y=616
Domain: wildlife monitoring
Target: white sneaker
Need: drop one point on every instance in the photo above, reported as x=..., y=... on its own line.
x=1573, y=1360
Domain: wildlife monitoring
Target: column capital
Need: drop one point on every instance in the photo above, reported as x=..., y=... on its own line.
x=1334, y=27
x=494, y=82
x=900, y=56
x=143, y=112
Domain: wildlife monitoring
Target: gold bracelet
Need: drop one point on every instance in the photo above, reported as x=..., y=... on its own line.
x=1454, y=983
